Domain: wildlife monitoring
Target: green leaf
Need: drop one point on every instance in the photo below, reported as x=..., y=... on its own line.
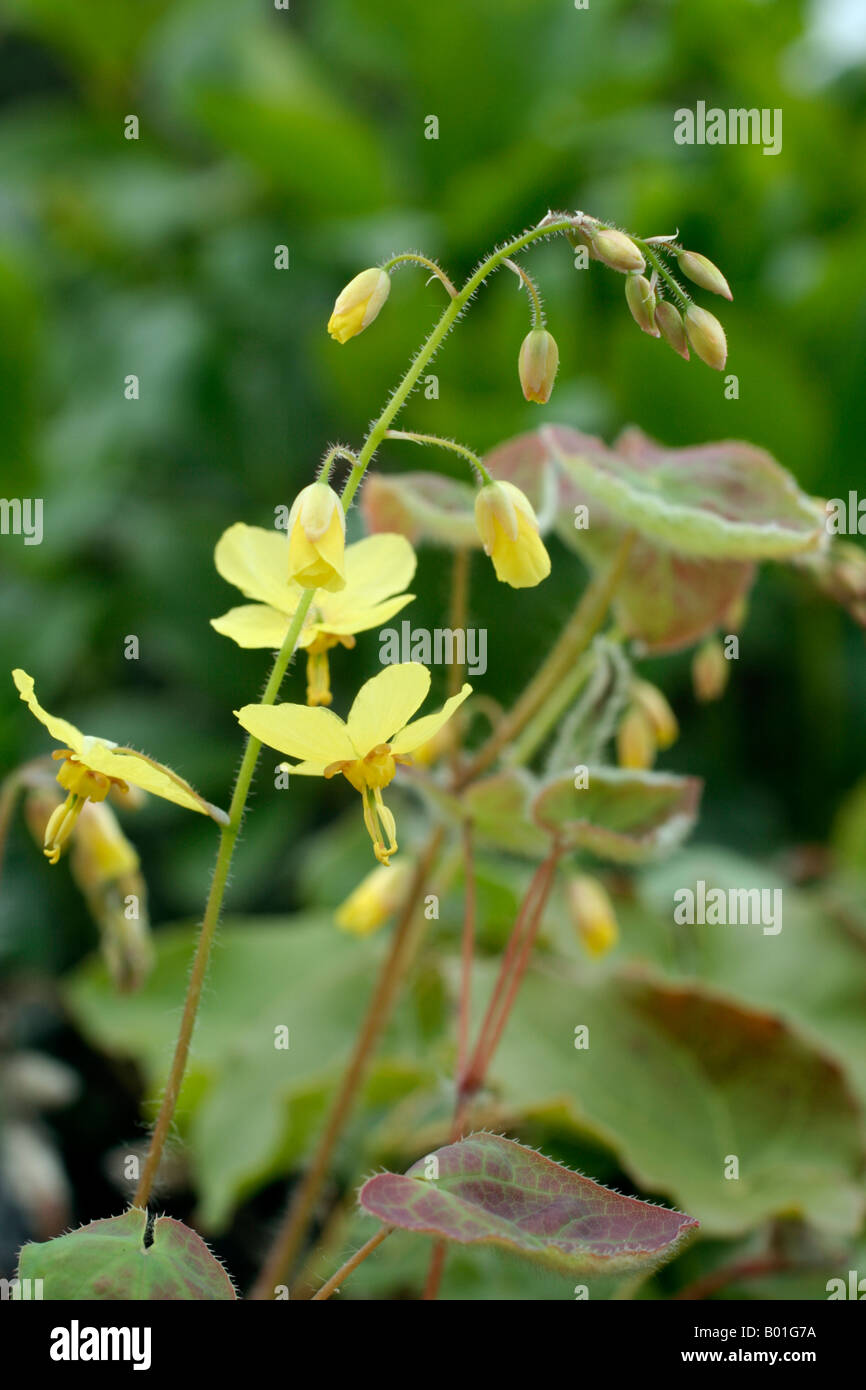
x=728, y=501
x=628, y=817
x=250, y=1106
x=491, y=1191
x=111, y=1260
x=678, y=1081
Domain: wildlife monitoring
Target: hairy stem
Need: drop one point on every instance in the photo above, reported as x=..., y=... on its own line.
x=228, y=840
x=352, y=1263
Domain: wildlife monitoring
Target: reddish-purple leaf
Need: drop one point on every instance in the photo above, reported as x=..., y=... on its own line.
x=490, y=1190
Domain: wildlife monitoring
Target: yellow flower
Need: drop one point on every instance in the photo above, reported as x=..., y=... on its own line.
x=508, y=528
x=358, y=304
x=92, y=765
x=367, y=748
x=317, y=538
x=254, y=560
x=374, y=900
x=593, y=915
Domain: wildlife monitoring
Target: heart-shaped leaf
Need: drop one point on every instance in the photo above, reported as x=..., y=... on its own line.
x=488, y=1190
x=284, y=1001
x=626, y=816
x=731, y=1111
x=109, y=1260
x=727, y=501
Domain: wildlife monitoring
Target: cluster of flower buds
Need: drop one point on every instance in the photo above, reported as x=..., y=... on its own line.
x=649, y=724
x=661, y=318
x=652, y=312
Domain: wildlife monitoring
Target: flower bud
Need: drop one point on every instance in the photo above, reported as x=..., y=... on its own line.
x=376, y=898
x=641, y=300
x=537, y=364
x=657, y=710
x=317, y=539
x=635, y=740
x=592, y=914
x=669, y=319
x=616, y=249
x=702, y=271
x=706, y=336
x=710, y=671
x=508, y=528
x=358, y=304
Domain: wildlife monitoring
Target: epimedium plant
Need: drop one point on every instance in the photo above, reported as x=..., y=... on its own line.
x=671, y=539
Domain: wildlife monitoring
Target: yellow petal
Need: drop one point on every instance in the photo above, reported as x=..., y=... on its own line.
x=318, y=564
x=256, y=561
x=65, y=733
x=304, y=769
x=425, y=728
x=376, y=567
x=253, y=625
x=362, y=619
x=310, y=733
x=141, y=771
x=523, y=562
x=385, y=703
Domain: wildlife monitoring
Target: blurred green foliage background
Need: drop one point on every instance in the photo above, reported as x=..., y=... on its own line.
x=306, y=128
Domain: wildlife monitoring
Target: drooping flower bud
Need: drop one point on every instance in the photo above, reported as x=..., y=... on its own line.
x=641, y=300
x=701, y=270
x=710, y=671
x=317, y=539
x=508, y=528
x=616, y=249
x=357, y=305
x=375, y=899
x=537, y=365
x=669, y=319
x=592, y=914
x=657, y=710
x=635, y=740
x=706, y=336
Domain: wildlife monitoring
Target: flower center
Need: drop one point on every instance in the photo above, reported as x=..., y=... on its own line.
x=368, y=775
x=82, y=784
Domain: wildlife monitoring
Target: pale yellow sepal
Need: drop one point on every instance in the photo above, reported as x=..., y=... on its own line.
x=508, y=528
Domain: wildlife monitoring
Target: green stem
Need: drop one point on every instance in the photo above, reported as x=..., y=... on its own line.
x=538, y=728
x=531, y=289
x=228, y=840
x=434, y=342
x=423, y=260
x=662, y=271
x=438, y=442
